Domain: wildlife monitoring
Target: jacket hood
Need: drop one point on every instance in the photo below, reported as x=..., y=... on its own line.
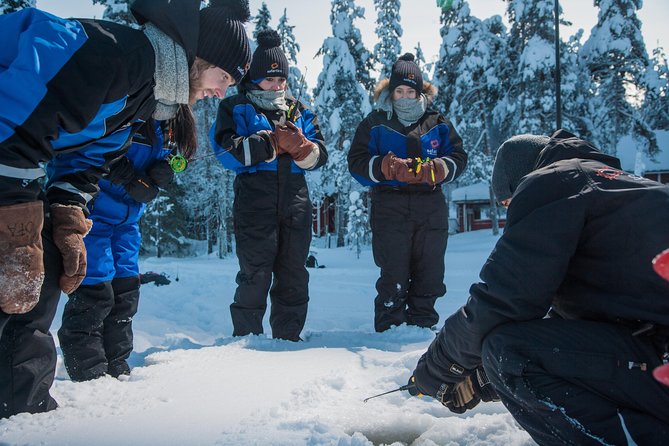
x=180, y=20
x=564, y=145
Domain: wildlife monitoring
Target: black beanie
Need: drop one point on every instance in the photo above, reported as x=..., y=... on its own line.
x=269, y=59
x=223, y=40
x=406, y=72
x=516, y=157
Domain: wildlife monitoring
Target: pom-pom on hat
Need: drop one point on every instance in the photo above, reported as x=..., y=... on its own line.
x=269, y=59
x=406, y=72
x=222, y=39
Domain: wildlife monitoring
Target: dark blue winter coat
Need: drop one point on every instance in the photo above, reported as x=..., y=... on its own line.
x=235, y=136
x=431, y=137
x=72, y=93
x=113, y=243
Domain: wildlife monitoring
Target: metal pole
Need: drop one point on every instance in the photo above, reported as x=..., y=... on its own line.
x=558, y=93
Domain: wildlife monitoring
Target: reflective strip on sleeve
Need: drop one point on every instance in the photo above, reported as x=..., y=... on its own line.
x=371, y=169
x=24, y=174
x=70, y=188
x=247, y=152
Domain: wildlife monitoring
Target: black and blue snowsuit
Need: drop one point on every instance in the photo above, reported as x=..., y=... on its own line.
x=272, y=216
x=96, y=332
x=409, y=221
x=72, y=93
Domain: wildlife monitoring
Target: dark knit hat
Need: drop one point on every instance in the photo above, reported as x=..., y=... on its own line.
x=406, y=72
x=223, y=40
x=516, y=157
x=269, y=59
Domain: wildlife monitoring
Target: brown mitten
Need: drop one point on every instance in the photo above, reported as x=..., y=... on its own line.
x=432, y=172
x=69, y=228
x=395, y=168
x=291, y=140
x=21, y=256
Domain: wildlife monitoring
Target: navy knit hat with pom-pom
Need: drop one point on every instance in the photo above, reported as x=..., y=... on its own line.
x=223, y=40
x=269, y=59
x=406, y=72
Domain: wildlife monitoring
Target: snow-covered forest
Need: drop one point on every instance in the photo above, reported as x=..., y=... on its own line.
x=496, y=78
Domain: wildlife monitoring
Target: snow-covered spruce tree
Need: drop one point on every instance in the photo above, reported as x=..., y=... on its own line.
x=117, y=11
x=262, y=20
x=389, y=31
x=341, y=102
x=342, y=15
x=615, y=54
x=297, y=84
x=208, y=187
x=454, y=18
x=358, y=233
x=479, y=87
x=532, y=54
x=7, y=6
x=577, y=87
x=425, y=68
x=656, y=102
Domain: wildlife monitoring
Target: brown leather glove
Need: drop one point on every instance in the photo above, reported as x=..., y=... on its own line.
x=432, y=172
x=395, y=168
x=21, y=256
x=290, y=140
x=70, y=226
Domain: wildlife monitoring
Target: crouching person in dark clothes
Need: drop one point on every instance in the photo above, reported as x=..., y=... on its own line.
x=72, y=95
x=96, y=332
x=405, y=152
x=269, y=139
x=570, y=319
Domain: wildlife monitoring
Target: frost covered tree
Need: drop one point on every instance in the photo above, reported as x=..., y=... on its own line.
x=262, y=20
x=7, y=6
x=358, y=233
x=297, y=84
x=208, y=187
x=532, y=54
x=388, y=31
x=656, y=102
x=117, y=11
x=425, y=67
x=615, y=54
x=457, y=27
x=342, y=15
x=341, y=102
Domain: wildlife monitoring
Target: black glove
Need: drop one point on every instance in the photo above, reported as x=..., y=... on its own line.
x=161, y=173
x=431, y=379
x=468, y=393
x=121, y=171
x=141, y=188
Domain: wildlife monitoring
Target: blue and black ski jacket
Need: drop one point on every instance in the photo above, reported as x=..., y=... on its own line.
x=431, y=137
x=239, y=146
x=73, y=92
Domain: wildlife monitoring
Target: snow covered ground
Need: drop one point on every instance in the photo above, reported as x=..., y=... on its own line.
x=193, y=384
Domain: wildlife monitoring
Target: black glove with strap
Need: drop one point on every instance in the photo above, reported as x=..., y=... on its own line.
x=455, y=387
x=161, y=173
x=139, y=187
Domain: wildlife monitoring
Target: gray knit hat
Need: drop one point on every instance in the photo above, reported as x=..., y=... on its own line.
x=516, y=157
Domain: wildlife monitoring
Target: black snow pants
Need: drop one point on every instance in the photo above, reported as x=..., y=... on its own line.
x=573, y=382
x=27, y=350
x=96, y=333
x=409, y=237
x=272, y=215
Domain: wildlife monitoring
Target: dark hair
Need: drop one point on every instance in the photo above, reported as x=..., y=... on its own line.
x=181, y=132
